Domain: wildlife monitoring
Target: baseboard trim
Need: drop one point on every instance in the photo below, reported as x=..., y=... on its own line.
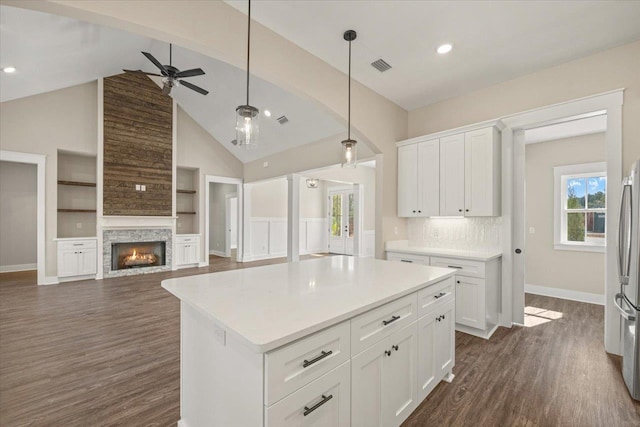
x=564, y=294
x=18, y=267
x=480, y=333
x=51, y=280
x=218, y=253
x=182, y=423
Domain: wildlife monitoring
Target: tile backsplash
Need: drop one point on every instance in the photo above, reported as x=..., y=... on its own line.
x=474, y=234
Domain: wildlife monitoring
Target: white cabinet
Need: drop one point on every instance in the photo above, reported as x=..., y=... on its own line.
x=455, y=174
x=452, y=180
x=323, y=402
x=383, y=380
x=482, y=172
x=408, y=258
x=187, y=250
x=418, y=179
x=477, y=294
x=77, y=258
x=445, y=340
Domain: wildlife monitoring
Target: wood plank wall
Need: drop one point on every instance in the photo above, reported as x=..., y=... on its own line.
x=138, y=121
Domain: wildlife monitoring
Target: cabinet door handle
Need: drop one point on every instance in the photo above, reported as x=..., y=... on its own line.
x=419, y=211
x=443, y=317
x=324, y=400
x=459, y=210
x=395, y=347
x=406, y=260
x=387, y=352
x=440, y=295
x=455, y=266
x=393, y=319
x=322, y=355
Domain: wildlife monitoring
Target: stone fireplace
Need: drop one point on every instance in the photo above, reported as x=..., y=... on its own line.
x=136, y=251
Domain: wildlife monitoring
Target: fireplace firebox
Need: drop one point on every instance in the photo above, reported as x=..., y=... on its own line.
x=137, y=255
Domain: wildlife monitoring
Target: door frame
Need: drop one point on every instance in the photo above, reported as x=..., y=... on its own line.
x=358, y=215
x=212, y=179
x=513, y=179
x=227, y=223
x=40, y=161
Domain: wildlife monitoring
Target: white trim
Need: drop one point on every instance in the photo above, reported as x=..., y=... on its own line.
x=480, y=333
x=293, y=217
x=18, y=267
x=40, y=161
x=218, y=253
x=208, y=179
x=51, y=280
x=227, y=224
x=513, y=273
x=100, y=178
x=565, y=294
x=174, y=183
x=560, y=175
x=462, y=129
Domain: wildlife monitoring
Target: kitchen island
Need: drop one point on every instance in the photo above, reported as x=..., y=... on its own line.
x=336, y=341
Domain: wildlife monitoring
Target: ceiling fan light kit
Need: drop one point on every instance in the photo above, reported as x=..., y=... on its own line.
x=349, y=146
x=247, y=116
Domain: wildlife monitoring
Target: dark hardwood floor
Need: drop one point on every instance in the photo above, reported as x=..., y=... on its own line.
x=103, y=353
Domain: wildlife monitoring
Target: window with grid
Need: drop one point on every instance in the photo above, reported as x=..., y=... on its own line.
x=581, y=205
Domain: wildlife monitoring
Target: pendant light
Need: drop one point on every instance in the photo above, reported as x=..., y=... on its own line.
x=247, y=123
x=349, y=153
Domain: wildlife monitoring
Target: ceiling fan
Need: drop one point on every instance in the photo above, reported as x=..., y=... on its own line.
x=171, y=75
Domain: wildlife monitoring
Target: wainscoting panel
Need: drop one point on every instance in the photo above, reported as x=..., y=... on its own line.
x=268, y=237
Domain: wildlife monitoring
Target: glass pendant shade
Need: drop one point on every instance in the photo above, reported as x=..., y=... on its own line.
x=349, y=153
x=247, y=126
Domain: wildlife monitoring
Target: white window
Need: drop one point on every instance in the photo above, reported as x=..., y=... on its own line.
x=580, y=207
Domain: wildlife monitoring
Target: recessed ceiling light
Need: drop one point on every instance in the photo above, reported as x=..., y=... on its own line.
x=444, y=48
x=267, y=113
x=9, y=69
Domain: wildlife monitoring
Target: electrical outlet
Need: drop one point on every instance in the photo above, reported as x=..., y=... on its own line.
x=78, y=225
x=532, y=230
x=395, y=230
x=265, y=164
x=137, y=187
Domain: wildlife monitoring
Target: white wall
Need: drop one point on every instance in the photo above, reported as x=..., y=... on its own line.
x=217, y=206
x=545, y=266
x=18, y=209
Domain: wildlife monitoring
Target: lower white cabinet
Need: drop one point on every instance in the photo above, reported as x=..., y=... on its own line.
x=383, y=380
x=323, y=402
x=77, y=257
x=187, y=250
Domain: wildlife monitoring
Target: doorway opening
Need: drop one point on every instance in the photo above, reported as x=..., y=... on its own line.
x=341, y=207
x=223, y=213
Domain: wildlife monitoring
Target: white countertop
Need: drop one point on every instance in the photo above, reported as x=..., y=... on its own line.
x=267, y=307
x=402, y=246
x=63, y=239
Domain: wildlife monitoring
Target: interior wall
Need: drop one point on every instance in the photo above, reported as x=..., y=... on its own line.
x=269, y=199
x=65, y=119
x=545, y=266
x=217, y=212
x=18, y=214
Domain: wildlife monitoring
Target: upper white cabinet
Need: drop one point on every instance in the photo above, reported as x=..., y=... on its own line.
x=452, y=160
x=454, y=173
x=418, y=179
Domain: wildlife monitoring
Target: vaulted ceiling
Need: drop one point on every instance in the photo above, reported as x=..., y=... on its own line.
x=52, y=52
x=493, y=41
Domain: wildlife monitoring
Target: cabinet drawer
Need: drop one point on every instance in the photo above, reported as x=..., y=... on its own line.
x=374, y=325
x=435, y=296
x=187, y=239
x=297, y=364
x=465, y=267
x=410, y=258
x=77, y=244
x=324, y=402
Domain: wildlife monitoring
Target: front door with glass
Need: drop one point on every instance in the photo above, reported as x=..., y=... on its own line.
x=341, y=225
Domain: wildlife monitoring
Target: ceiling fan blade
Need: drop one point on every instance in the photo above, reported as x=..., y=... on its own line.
x=190, y=73
x=156, y=63
x=143, y=72
x=193, y=87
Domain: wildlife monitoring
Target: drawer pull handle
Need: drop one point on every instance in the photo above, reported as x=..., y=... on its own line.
x=323, y=354
x=454, y=266
x=440, y=295
x=393, y=319
x=406, y=260
x=324, y=400
x=78, y=244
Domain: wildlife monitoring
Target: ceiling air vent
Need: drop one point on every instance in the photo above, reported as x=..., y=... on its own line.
x=282, y=120
x=381, y=65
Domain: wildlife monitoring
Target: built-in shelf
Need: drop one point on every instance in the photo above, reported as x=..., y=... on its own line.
x=77, y=210
x=77, y=183
x=186, y=213
x=187, y=200
x=186, y=191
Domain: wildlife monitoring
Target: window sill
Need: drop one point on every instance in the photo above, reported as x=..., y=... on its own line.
x=579, y=248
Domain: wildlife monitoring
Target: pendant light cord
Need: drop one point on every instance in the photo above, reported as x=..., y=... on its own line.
x=170, y=54
x=349, y=113
x=248, y=48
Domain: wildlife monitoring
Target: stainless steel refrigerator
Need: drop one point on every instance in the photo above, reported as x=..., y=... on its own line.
x=628, y=300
